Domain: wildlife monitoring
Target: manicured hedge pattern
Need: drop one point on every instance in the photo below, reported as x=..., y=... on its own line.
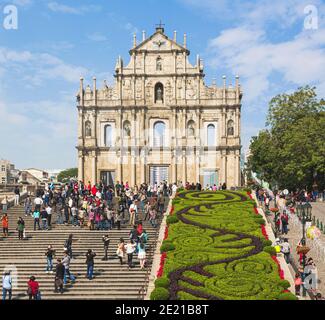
x=215, y=250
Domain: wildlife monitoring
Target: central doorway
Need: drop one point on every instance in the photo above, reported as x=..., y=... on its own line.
x=210, y=178
x=158, y=174
x=107, y=177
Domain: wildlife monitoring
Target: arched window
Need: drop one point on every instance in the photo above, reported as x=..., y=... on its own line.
x=211, y=134
x=159, y=129
x=127, y=129
x=159, y=92
x=88, y=128
x=159, y=64
x=191, y=128
x=230, y=128
x=108, y=135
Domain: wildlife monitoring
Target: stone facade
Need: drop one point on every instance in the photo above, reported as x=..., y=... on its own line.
x=159, y=120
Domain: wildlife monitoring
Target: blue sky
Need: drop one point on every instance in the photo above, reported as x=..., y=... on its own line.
x=265, y=42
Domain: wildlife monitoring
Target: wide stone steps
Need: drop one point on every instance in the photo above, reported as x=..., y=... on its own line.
x=111, y=280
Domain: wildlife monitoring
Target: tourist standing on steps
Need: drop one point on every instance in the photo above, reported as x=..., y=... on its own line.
x=49, y=216
x=38, y=203
x=4, y=203
x=49, y=259
x=33, y=289
x=142, y=254
x=36, y=216
x=130, y=248
x=28, y=206
x=66, y=262
x=17, y=195
x=285, y=249
x=106, y=242
x=20, y=228
x=44, y=217
x=5, y=225
x=120, y=250
x=59, y=275
x=90, y=263
x=68, y=245
x=6, y=285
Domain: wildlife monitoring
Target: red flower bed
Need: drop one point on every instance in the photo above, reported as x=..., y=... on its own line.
x=281, y=273
x=162, y=263
x=171, y=210
x=166, y=233
x=264, y=232
x=256, y=211
x=250, y=195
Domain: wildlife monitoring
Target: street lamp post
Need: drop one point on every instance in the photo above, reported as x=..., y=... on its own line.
x=304, y=211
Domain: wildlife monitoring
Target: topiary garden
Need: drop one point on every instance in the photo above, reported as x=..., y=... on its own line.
x=215, y=250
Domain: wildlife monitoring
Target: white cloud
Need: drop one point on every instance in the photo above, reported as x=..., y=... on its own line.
x=299, y=61
x=61, y=8
x=97, y=37
x=39, y=66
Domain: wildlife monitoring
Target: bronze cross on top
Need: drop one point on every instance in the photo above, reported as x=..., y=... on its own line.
x=160, y=25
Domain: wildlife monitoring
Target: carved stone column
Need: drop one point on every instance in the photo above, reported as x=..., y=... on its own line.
x=80, y=166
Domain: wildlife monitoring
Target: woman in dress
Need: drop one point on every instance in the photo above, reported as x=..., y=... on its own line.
x=141, y=254
x=120, y=250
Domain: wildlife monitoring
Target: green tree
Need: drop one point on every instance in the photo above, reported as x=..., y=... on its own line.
x=67, y=174
x=290, y=152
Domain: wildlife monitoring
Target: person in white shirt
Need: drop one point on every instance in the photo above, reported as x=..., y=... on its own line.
x=133, y=210
x=49, y=215
x=130, y=248
x=38, y=203
x=6, y=285
x=174, y=189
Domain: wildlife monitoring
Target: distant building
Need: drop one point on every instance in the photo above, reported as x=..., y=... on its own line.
x=34, y=176
x=8, y=173
x=53, y=174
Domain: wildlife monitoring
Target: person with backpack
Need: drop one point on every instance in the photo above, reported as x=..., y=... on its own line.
x=68, y=245
x=33, y=289
x=44, y=216
x=59, y=276
x=90, y=263
x=6, y=285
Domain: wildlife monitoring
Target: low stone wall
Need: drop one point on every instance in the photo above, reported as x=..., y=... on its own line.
x=157, y=255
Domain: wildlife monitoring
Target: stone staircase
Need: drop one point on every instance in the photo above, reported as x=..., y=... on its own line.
x=111, y=280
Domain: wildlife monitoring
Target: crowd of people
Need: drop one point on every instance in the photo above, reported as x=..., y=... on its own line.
x=286, y=202
x=95, y=207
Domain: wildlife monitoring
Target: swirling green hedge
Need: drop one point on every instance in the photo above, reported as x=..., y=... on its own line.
x=215, y=250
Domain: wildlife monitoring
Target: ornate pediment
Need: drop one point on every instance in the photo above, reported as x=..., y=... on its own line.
x=159, y=42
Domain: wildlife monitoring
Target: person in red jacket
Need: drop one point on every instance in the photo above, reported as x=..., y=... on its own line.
x=33, y=288
x=94, y=190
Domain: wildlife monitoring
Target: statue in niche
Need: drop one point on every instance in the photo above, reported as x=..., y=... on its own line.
x=159, y=92
x=88, y=129
x=191, y=130
x=127, y=129
x=159, y=64
x=230, y=128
